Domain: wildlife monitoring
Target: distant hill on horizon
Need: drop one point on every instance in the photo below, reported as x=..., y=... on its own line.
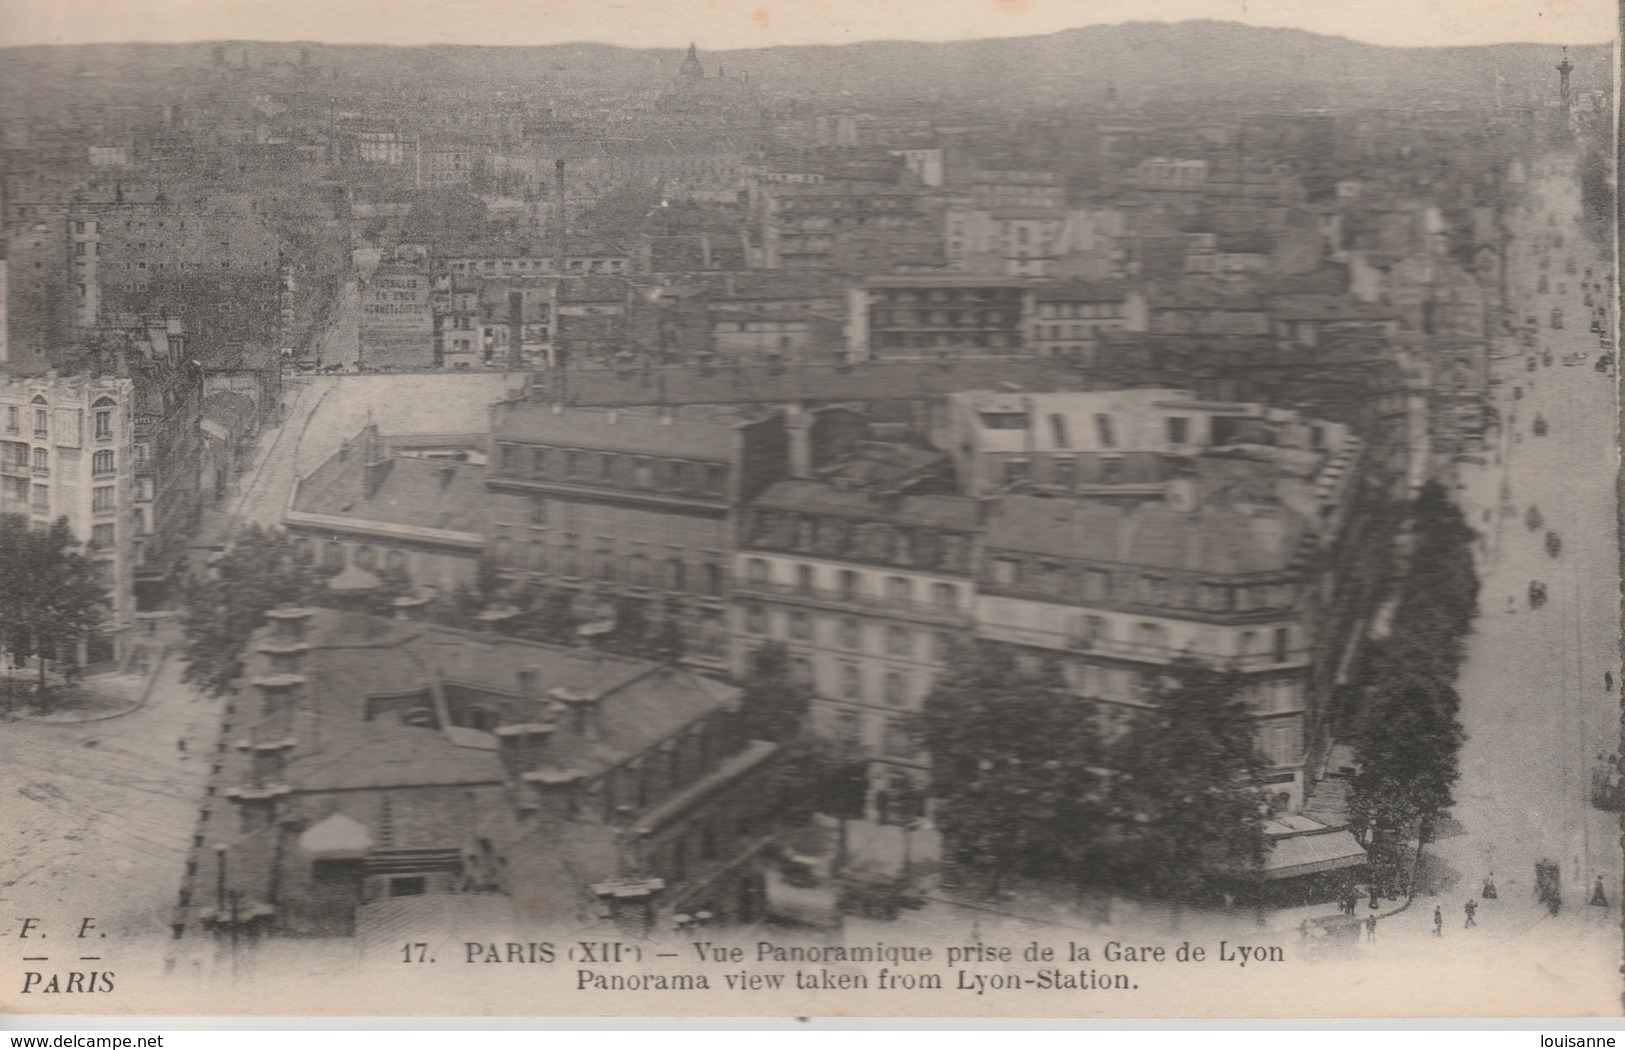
x=1198, y=59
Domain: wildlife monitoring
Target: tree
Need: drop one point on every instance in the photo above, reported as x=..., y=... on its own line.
x=260, y=571
x=1408, y=738
x=1441, y=570
x=775, y=704
x=1014, y=767
x=631, y=634
x=1185, y=797
x=550, y=617
x=668, y=643
x=1408, y=741
x=51, y=595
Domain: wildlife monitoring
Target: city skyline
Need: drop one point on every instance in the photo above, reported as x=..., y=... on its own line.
x=727, y=25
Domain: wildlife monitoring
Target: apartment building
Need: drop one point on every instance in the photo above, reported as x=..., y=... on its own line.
x=865, y=574
x=67, y=450
x=628, y=505
x=930, y=316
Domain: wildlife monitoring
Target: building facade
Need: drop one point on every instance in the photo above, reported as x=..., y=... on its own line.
x=627, y=505
x=869, y=592
x=67, y=452
x=892, y=317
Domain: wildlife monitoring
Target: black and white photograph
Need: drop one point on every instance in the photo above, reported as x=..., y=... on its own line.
x=736, y=508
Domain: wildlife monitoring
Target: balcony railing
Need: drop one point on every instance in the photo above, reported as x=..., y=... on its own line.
x=1145, y=652
x=956, y=614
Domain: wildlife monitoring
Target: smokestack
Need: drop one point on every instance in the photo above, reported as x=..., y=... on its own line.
x=560, y=218
x=516, y=331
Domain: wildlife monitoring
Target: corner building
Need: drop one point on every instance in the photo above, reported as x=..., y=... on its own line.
x=870, y=589
x=67, y=451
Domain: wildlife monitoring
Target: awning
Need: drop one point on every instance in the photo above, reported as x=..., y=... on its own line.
x=1307, y=854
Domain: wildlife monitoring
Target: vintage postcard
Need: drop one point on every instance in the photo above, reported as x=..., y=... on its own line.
x=1020, y=509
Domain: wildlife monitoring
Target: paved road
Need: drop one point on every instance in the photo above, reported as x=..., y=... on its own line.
x=1534, y=703
x=98, y=816
x=324, y=411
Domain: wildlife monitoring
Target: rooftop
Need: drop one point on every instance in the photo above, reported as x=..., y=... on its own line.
x=957, y=513
x=691, y=433
x=431, y=494
x=343, y=744
x=1218, y=538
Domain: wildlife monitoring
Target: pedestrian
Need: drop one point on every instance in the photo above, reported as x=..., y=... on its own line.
x=1608, y=680
x=1438, y=922
x=1371, y=929
x=1599, y=898
x=1472, y=913
x=1489, y=893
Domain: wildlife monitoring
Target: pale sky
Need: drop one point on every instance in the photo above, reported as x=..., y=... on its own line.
x=718, y=25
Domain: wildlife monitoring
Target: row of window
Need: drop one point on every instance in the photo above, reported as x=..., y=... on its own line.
x=537, y=265
x=1062, y=471
x=963, y=318
x=1055, y=580
x=1085, y=311
x=101, y=463
x=365, y=556
x=1077, y=331
x=852, y=586
x=852, y=634
x=927, y=340
x=1154, y=639
x=102, y=415
x=18, y=491
x=606, y=565
x=894, y=738
x=948, y=295
x=874, y=541
x=607, y=468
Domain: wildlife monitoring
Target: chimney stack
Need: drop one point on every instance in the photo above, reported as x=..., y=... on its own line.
x=522, y=746
x=584, y=712
x=290, y=623
x=798, y=432
x=375, y=462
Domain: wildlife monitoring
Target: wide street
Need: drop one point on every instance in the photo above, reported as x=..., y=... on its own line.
x=99, y=815
x=1535, y=702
